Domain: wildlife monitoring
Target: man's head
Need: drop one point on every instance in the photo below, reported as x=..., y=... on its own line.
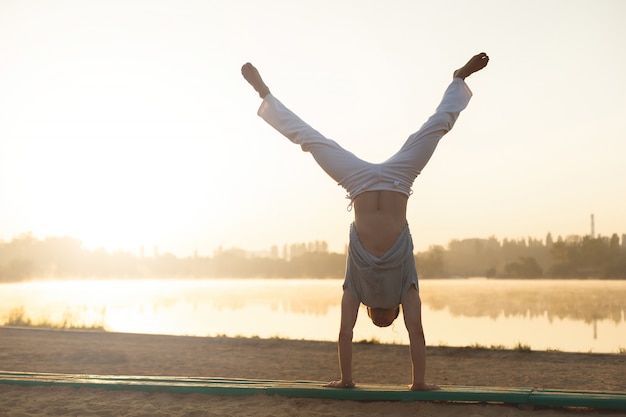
x=383, y=317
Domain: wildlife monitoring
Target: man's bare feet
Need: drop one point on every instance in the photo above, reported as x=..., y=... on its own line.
x=476, y=63
x=251, y=74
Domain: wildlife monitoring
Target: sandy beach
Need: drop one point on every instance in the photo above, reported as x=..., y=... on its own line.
x=36, y=350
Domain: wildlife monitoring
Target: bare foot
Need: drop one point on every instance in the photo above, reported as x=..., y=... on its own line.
x=340, y=384
x=476, y=63
x=251, y=74
x=424, y=387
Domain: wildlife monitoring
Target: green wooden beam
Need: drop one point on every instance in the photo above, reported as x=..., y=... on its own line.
x=314, y=389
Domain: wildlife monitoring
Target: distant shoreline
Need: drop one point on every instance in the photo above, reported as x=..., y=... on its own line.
x=520, y=347
x=574, y=257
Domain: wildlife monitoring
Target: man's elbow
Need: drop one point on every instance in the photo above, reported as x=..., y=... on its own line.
x=415, y=330
x=345, y=335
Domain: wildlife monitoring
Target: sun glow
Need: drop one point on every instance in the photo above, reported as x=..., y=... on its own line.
x=127, y=124
x=110, y=131
x=110, y=191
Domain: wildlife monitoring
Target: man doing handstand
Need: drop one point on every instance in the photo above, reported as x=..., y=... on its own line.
x=380, y=271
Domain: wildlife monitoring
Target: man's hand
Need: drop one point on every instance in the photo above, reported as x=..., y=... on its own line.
x=340, y=384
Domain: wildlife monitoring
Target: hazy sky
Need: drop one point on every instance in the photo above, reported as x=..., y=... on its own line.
x=127, y=123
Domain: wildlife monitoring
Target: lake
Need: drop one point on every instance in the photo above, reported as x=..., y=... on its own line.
x=565, y=315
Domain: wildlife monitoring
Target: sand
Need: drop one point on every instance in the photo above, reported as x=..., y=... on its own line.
x=35, y=350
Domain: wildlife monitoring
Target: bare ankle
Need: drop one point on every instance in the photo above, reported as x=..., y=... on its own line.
x=459, y=74
x=263, y=91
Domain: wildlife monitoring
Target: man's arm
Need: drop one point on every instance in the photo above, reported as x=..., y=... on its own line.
x=349, y=312
x=412, y=311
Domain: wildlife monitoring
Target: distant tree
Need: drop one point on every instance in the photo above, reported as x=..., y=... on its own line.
x=318, y=265
x=616, y=268
x=19, y=269
x=614, y=246
x=491, y=272
x=430, y=264
x=274, y=252
x=524, y=267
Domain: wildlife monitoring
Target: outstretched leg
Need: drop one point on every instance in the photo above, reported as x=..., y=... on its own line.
x=419, y=147
x=336, y=161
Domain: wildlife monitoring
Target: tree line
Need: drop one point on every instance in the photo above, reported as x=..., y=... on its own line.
x=573, y=257
x=26, y=258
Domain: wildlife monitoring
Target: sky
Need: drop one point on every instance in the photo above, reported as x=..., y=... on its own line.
x=127, y=124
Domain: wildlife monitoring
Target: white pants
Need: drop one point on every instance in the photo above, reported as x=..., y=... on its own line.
x=356, y=175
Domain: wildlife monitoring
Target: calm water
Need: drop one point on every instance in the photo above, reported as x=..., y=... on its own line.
x=568, y=315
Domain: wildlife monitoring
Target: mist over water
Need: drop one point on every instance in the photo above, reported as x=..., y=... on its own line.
x=567, y=315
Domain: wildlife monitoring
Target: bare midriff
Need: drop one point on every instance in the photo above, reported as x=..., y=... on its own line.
x=379, y=218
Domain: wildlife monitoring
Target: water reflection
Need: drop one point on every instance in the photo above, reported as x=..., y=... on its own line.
x=586, y=300
x=315, y=297
x=567, y=315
